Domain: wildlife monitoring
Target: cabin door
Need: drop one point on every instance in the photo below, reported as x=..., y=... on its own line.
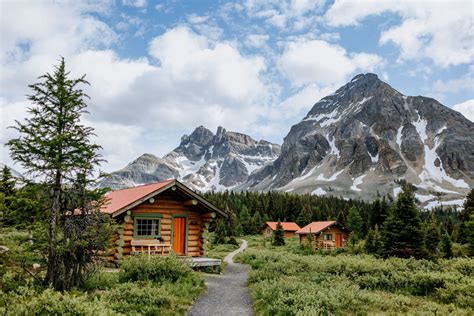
x=338, y=240
x=179, y=235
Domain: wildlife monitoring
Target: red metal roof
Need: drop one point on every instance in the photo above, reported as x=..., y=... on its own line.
x=119, y=199
x=315, y=227
x=287, y=226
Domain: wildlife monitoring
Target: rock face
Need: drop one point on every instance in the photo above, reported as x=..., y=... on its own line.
x=365, y=137
x=357, y=142
x=203, y=160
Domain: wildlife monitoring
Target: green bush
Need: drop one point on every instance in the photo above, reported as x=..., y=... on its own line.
x=154, y=268
x=138, y=297
x=101, y=280
x=283, y=282
x=27, y=301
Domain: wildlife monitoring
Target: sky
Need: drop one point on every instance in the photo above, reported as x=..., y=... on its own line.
x=158, y=69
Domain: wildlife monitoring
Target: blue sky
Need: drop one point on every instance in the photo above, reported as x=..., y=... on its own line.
x=158, y=69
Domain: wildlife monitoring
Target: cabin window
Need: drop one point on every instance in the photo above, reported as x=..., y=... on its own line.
x=328, y=237
x=147, y=226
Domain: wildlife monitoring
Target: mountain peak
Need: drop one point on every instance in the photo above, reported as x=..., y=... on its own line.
x=368, y=76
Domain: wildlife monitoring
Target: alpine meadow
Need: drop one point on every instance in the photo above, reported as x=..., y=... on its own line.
x=243, y=157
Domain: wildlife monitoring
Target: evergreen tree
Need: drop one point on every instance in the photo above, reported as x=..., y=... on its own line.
x=56, y=147
x=220, y=233
x=245, y=220
x=7, y=182
x=257, y=223
x=354, y=222
x=447, y=246
x=432, y=236
x=305, y=216
x=465, y=217
x=402, y=235
x=373, y=241
x=279, y=235
x=470, y=234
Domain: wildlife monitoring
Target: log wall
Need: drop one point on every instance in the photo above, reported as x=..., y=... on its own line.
x=167, y=206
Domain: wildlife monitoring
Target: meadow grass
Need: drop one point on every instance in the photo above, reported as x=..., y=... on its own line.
x=287, y=280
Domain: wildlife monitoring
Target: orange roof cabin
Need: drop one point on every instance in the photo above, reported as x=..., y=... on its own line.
x=325, y=235
x=289, y=228
x=160, y=218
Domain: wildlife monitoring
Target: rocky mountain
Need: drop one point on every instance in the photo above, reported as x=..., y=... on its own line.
x=365, y=138
x=203, y=160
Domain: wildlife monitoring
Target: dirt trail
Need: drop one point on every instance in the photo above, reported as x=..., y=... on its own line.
x=227, y=294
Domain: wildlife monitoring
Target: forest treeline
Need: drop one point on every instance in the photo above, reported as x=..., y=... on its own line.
x=385, y=226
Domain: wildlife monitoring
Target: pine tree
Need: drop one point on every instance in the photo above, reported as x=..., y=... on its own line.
x=245, y=220
x=305, y=216
x=56, y=147
x=279, y=235
x=402, y=235
x=373, y=241
x=354, y=222
x=432, y=236
x=470, y=234
x=447, y=246
x=7, y=182
x=257, y=223
x=465, y=217
x=220, y=233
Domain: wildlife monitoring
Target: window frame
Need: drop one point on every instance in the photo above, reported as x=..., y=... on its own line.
x=156, y=217
x=327, y=234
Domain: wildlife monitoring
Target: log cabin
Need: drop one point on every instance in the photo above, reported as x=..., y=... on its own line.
x=167, y=215
x=325, y=235
x=289, y=228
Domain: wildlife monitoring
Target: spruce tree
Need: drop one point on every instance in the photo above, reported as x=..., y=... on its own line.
x=470, y=234
x=279, y=235
x=432, y=236
x=54, y=146
x=220, y=233
x=447, y=246
x=245, y=220
x=305, y=216
x=7, y=182
x=355, y=223
x=257, y=223
x=402, y=234
x=373, y=241
x=465, y=217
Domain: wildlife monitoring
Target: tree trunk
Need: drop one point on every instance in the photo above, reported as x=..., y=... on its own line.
x=51, y=274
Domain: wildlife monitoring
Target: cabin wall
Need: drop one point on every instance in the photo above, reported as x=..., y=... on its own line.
x=267, y=232
x=318, y=239
x=167, y=206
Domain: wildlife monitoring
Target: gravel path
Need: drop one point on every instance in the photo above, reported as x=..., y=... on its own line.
x=227, y=294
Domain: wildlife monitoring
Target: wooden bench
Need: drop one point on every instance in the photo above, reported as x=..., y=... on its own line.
x=150, y=246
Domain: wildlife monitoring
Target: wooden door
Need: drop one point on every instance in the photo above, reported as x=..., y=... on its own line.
x=179, y=235
x=338, y=240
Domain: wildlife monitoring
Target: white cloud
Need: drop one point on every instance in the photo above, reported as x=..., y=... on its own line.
x=256, y=40
x=462, y=83
x=441, y=31
x=317, y=61
x=466, y=108
x=135, y=3
x=295, y=14
x=196, y=19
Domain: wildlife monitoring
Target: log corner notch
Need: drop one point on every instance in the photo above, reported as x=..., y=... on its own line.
x=192, y=202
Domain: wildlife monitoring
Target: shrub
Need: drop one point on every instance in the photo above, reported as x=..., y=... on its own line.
x=138, y=297
x=27, y=301
x=154, y=268
x=101, y=280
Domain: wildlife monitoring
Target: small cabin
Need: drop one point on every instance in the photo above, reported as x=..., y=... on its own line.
x=325, y=235
x=165, y=217
x=289, y=228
